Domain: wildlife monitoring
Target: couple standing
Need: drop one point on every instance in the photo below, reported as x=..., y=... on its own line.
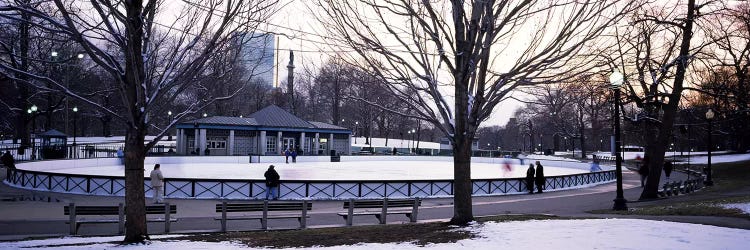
x=535, y=176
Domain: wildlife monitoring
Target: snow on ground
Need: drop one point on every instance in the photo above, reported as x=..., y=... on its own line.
x=714, y=159
x=543, y=234
x=549, y=158
x=406, y=143
x=745, y=207
x=99, y=140
x=359, y=170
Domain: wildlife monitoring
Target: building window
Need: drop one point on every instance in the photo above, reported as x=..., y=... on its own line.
x=271, y=144
x=216, y=143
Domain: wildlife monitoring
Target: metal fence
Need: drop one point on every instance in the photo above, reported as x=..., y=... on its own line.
x=290, y=190
x=81, y=151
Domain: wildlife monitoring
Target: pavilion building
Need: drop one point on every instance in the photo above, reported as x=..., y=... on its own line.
x=270, y=131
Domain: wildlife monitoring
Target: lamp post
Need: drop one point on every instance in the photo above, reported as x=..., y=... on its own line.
x=408, y=144
x=33, y=120
x=616, y=79
x=413, y=143
x=31, y=112
x=169, y=121
x=75, y=121
x=356, y=129
x=710, y=117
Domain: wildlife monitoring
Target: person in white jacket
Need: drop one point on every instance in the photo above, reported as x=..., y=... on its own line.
x=157, y=183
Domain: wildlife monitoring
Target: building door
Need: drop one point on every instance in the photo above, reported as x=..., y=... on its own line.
x=288, y=143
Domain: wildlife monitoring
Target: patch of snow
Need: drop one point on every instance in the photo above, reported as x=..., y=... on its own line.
x=406, y=143
x=717, y=159
x=541, y=234
x=745, y=207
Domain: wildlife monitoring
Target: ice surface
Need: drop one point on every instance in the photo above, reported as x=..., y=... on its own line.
x=356, y=170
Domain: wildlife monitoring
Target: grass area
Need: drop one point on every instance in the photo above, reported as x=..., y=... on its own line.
x=689, y=208
x=731, y=185
x=417, y=233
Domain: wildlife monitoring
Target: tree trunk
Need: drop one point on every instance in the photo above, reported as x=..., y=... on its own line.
x=135, y=197
x=582, y=138
x=23, y=121
x=135, y=151
x=670, y=110
x=462, y=186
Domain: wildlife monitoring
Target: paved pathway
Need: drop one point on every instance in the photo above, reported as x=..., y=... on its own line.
x=21, y=219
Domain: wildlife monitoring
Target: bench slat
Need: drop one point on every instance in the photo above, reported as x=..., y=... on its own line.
x=114, y=210
x=379, y=203
x=258, y=207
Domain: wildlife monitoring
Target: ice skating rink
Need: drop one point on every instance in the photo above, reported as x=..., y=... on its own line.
x=360, y=169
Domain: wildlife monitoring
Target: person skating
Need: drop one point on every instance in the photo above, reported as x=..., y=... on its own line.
x=272, y=183
x=539, y=177
x=595, y=165
x=530, y=178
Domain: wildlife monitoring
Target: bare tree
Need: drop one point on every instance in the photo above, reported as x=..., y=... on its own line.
x=656, y=46
x=728, y=64
x=460, y=59
x=155, y=63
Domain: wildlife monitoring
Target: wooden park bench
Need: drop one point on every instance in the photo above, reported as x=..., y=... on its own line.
x=264, y=207
x=103, y=211
x=379, y=209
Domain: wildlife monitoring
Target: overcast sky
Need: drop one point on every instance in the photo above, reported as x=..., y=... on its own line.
x=300, y=32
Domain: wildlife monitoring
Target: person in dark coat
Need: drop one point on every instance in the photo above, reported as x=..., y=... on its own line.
x=530, y=178
x=539, y=177
x=287, y=154
x=207, y=152
x=668, y=169
x=8, y=160
x=294, y=156
x=272, y=183
x=643, y=171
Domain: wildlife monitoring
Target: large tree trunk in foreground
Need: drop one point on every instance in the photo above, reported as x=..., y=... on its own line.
x=135, y=197
x=462, y=186
x=135, y=150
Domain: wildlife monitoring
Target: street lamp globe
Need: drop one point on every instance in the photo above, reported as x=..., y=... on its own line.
x=80, y=56
x=169, y=112
x=54, y=53
x=616, y=78
x=205, y=115
x=33, y=108
x=28, y=111
x=75, y=109
x=710, y=114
